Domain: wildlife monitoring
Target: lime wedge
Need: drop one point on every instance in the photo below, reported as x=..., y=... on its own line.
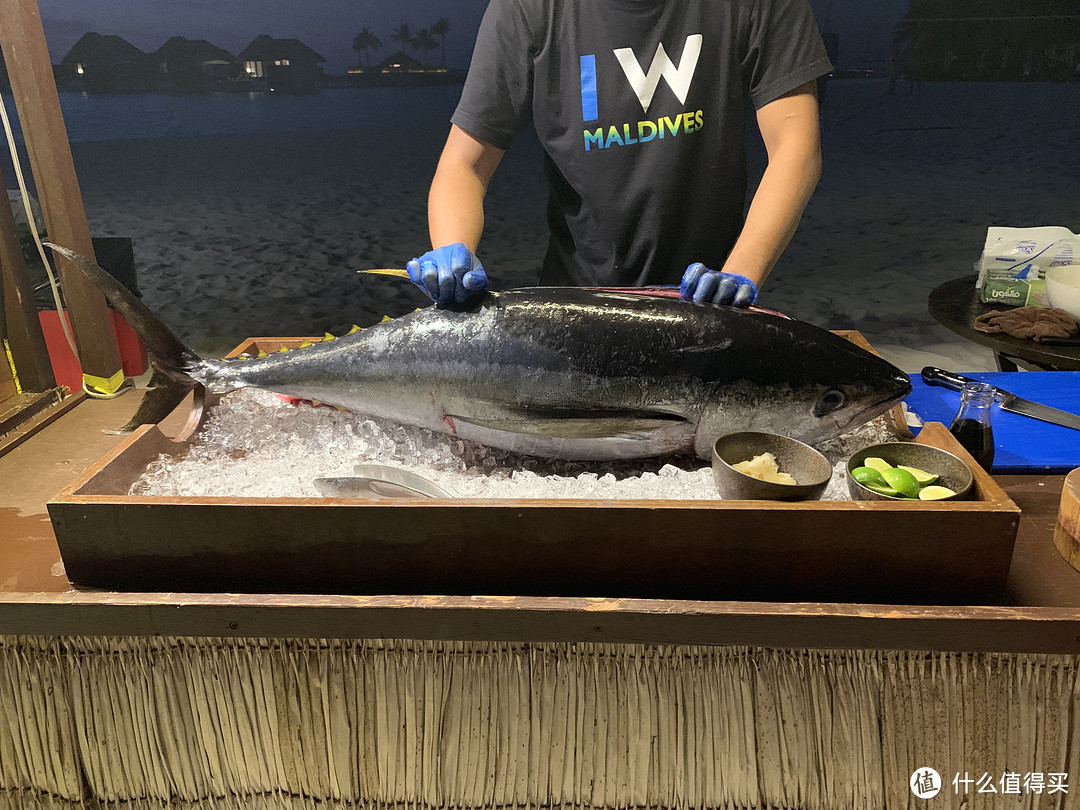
x=921, y=476
x=935, y=493
x=867, y=476
x=875, y=463
x=902, y=481
x=886, y=490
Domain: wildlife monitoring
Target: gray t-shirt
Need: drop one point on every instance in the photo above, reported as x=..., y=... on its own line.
x=641, y=106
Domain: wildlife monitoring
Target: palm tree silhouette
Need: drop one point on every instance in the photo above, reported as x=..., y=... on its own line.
x=403, y=35
x=423, y=41
x=365, y=41
x=440, y=28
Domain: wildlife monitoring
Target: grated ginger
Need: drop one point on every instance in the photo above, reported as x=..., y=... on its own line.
x=764, y=468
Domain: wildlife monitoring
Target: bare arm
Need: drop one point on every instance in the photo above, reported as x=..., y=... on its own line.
x=791, y=129
x=456, y=199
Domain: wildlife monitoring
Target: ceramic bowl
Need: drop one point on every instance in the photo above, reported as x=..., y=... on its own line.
x=953, y=473
x=805, y=464
x=1063, y=288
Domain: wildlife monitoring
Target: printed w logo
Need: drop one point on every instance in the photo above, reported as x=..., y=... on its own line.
x=678, y=78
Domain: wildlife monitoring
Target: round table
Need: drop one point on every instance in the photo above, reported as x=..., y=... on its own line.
x=955, y=305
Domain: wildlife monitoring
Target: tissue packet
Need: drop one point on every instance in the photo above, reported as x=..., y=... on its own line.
x=1012, y=270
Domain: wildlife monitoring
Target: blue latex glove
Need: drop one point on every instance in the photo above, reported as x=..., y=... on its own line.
x=704, y=286
x=449, y=275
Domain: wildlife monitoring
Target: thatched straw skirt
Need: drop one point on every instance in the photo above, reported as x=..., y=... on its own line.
x=257, y=723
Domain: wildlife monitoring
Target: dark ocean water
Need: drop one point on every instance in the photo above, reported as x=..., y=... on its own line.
x=124, y=116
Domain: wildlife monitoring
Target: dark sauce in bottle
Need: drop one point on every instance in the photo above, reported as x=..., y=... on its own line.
x=977, y=438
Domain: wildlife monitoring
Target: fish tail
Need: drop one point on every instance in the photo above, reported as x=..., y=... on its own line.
x=172, y=361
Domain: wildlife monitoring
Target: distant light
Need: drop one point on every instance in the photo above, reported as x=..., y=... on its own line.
x=79, y=69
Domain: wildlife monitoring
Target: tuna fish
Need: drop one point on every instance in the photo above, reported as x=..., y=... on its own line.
x=557, y=372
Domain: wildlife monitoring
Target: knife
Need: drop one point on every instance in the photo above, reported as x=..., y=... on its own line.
x=1009, y=402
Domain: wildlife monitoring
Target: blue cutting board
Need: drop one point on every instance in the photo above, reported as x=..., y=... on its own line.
x=1022, y=444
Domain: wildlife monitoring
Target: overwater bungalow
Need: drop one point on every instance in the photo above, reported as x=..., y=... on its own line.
x=192, y=65
x=400, y=70
x=281, y=64
x=103, y=62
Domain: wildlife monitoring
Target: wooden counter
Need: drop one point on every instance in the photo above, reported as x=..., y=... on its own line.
x=487, y=702
x=1040, y=611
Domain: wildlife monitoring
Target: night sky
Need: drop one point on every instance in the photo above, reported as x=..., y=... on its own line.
x=328, y=26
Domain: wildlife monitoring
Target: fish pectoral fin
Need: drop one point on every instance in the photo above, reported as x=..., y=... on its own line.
x=590, y=427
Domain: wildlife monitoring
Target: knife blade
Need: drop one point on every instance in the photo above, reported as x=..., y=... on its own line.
x=1009, y=401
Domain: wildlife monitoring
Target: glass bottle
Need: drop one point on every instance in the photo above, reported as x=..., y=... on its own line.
x=971, y=427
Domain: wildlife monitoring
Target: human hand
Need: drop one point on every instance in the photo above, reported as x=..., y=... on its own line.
x=704, y=286
x=449, y=275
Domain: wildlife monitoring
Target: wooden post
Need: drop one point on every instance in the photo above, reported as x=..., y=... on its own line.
x=19, y=313
x=26, y=55
x=8, y=389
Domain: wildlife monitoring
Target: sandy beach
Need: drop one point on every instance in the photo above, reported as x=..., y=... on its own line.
x=238, y=235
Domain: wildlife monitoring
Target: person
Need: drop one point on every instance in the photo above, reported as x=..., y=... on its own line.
x=641, y=107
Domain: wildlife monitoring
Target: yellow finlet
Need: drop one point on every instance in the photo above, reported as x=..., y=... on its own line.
x=327, y=337
x=283, y=349
x=305, y=344
x=396, y=272
x=262, y=354
x=386, y=318
x=354, y=329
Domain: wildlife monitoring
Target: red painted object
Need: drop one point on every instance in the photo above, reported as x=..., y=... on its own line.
x=66, y=368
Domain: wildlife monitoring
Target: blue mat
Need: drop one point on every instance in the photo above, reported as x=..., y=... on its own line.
x=1022, y=444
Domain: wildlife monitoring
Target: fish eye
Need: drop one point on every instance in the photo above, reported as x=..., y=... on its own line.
x=832, y=400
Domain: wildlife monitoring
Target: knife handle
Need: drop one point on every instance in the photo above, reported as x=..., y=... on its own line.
x=946, y=379
x=1060, y=341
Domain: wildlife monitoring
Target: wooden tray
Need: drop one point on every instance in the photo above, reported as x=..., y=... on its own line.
x=946, y=552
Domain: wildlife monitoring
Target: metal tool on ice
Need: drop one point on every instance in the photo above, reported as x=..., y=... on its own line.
x=380, y=481
x=1009, y=401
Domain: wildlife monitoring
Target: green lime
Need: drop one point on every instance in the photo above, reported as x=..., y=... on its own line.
x=921, y=476
x=934, y=493
x=902, y=481
x=883, y=490
x=875, y=463
x=867, y=476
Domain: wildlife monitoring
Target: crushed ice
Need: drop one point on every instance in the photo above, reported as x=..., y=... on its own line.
x=256, y=444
